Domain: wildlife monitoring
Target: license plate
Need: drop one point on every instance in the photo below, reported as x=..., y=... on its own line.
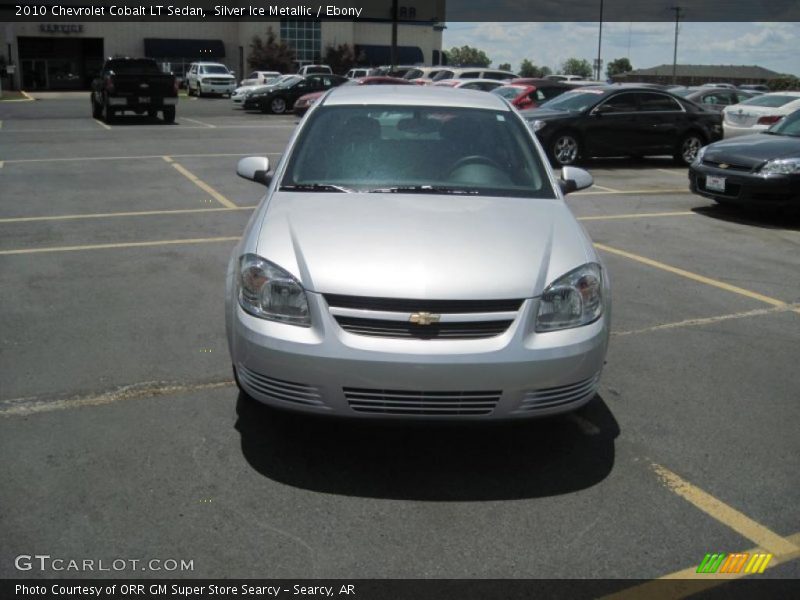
x=144, y=100
x=716, y=184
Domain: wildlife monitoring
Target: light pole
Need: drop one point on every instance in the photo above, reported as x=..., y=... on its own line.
x=599, y=64
x=677, y=10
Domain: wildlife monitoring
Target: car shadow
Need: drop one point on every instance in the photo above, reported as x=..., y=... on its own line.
x=786, y=219
x=431, y=461
x=129, y=120
x=630, y=162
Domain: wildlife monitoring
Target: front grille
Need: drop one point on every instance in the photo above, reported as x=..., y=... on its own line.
x=407, y=402
x=410, y=306
x=471, y=330
x=730, y=167
x=557, y=396
x=278, y=389
x=217, y=81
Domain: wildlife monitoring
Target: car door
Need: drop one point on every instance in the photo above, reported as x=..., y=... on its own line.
x=661, y=119
x=611, y=128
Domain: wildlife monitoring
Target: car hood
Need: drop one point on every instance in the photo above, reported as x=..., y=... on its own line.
x=752, y=150
x=422, y=246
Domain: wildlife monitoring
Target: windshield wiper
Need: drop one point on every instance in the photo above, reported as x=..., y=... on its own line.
x=314, y=187
x=424, y=189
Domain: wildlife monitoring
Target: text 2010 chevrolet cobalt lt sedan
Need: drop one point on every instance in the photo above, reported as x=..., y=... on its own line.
x=414, y=257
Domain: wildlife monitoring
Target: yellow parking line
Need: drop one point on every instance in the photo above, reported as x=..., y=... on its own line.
x=727, y=515
x=141, y=157
x=709, y=320
x=119, y=245
x=103, y=125
x=674, y=586
x=141, y=213
x=682, y=213
x=604, y=188
x=200, y=183
x=693, y=276
x=209, y=125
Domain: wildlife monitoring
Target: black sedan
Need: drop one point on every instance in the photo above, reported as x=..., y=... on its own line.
x=617, y=120
x=761, y=169
x=281, y=98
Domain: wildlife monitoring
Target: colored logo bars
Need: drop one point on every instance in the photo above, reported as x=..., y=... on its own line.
x=734, y=563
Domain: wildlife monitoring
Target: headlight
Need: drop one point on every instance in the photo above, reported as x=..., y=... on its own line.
x=572, y=300
x=267, y=291
x=698, y=158
x=781, y=166
x=536, y=125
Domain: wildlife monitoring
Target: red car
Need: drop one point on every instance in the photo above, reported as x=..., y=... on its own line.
x=530, y=93
x=304, y=102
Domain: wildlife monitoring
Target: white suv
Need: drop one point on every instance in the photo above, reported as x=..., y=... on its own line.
x=209, y=78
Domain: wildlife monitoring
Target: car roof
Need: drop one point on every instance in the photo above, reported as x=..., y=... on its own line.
x=412, y=95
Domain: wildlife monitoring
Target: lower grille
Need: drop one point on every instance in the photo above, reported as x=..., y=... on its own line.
x=278, y=389
x=557, y=396
x=469, y=330
x=405, y=402
x=730, y=167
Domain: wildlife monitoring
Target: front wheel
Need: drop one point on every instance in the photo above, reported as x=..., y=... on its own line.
x=687, y=149
x=169, y=114
x=278, y=106
x=107, y=112
x=97, y=110
x=565, y=149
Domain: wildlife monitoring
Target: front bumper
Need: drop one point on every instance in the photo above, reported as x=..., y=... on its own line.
x=744, y=187
x=326, y=370
x=217, y=88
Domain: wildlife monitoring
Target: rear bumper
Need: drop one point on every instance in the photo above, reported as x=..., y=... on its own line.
x=135, y=102
x=730, y=131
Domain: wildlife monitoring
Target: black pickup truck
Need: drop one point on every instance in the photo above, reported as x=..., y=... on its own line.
x=134, y=84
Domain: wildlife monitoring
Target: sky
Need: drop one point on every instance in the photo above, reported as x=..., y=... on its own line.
x=770, y=45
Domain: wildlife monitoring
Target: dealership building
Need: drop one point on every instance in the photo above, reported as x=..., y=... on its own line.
x=52, y=54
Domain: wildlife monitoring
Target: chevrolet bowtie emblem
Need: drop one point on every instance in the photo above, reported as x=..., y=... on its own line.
x=424, y=318
x=723, y=165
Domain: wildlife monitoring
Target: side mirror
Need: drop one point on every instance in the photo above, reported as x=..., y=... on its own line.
x=574, y=179
x=255, y=168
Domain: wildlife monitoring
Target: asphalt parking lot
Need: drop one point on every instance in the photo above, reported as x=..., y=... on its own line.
x=122, y=434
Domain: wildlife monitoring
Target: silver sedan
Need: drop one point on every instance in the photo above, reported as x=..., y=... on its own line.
x=414, y=258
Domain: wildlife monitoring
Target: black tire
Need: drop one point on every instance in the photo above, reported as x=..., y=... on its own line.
x=189, y=90
x=97, y=111
x=107, y=112
x=278, y=105
x=169, y=114
x=152, y=114
x=687, y=148
x=565, y=149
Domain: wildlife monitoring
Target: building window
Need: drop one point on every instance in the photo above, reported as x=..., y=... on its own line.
x=305, y=37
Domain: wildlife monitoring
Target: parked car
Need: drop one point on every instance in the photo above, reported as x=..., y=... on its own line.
x=422, y=75
x=622, y=121
x=136, y=85
x=530, y=93
x=280, y=98
x=357, y=73
x=315, y=69
x=714, y=98
x=260, y=78
x=303, y=103
x=209, y=78
x=758, y=87
x=565, y=78
x=240, y=94
x=482, y=85
x=413, y=258
x=762, y=169
x=759, y=113
x=473, y=73
x=388, y=71
x=727, y=86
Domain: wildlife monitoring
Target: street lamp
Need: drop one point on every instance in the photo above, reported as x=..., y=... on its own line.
x=599, y=62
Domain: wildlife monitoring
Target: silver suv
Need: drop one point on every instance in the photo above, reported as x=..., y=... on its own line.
x=209, y=78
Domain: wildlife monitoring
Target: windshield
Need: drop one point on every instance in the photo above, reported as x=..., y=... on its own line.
x=789, y=125
x=289, y=81
x=215, y=70
x=771, y=100
x=416, y=149
x=509, y=92
x=574, y=101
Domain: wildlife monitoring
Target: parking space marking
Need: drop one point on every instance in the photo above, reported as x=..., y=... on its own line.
x=119, y=245
x=21, y=407
x=2, y=163
x=678, y=172
x=141, y=213
x=622, y=192
x=103, y=125
x=658, y=589
x=727, y=515
x=694, y=276
x=709, y=320
x=682, y=213
x=605, y=189
x=209, y=125
x=142, y=157
x=1, y=123
x=200, y=183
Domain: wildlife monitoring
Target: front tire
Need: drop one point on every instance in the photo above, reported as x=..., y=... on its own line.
x=97, y=110
x=107, y=112
x=687, y=148
x=277, y=106
x=565, y=149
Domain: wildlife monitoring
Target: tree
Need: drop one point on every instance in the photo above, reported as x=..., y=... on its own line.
x=618, y=66
x=784, y=82
x=504, y=66
x=270, y=55
x=577, y=66
x=340, y=58
x=467, y=56
x=545, y=71
x=528, y=69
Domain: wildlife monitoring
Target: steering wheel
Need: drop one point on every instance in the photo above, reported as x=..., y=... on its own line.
x=475, y=159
